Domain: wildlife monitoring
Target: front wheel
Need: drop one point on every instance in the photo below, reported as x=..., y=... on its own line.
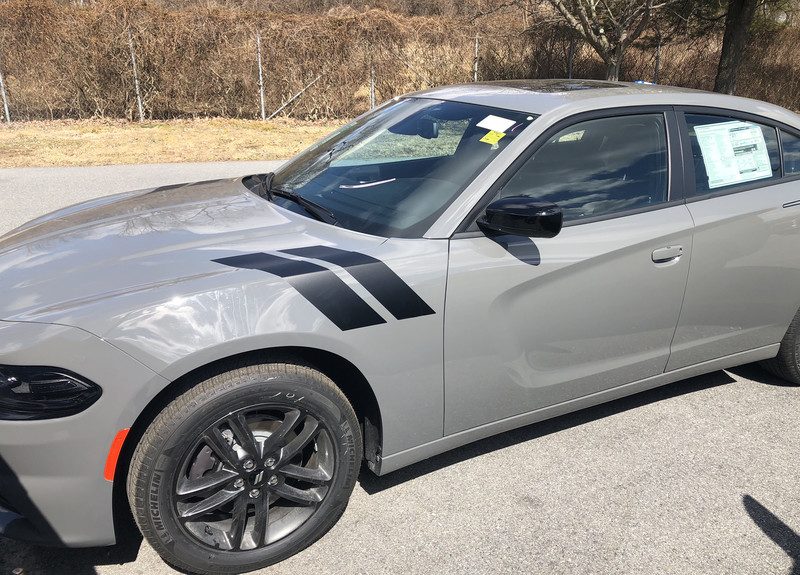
x=245, y=469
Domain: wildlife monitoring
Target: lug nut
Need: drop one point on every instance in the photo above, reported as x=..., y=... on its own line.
x=270, y=461
x=272, y=480
x=248, y=464
x=238, y=483
x=254, y=493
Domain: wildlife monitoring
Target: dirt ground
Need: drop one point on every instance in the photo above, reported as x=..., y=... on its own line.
x=112, y=142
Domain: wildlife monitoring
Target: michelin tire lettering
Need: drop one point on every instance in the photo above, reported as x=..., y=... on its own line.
x=329, y=294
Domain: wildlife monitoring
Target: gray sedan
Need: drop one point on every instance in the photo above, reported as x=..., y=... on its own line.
x=456, y=263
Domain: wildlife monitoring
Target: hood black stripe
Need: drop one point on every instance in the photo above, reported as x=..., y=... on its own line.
x=319, y=285
x=387, y=287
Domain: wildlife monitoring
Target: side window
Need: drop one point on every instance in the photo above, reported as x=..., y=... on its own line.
x=791, y=153
x=728, y=152
x=598, y=167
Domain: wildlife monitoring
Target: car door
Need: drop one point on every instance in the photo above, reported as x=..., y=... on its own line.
x=745, y=272
x=531, y=323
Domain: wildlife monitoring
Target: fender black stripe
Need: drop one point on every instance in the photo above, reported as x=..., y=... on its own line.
x=379, y=280
x=319, y=285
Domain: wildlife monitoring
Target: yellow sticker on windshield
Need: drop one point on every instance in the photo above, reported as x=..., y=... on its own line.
x=492, y=137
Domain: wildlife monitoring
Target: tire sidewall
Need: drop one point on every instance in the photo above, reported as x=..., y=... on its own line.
x=180, y=434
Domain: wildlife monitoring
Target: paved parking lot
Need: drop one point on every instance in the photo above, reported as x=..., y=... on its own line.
x=698, y=477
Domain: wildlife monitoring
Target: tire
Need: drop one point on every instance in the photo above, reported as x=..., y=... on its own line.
x=786, y=364
x=245, y=469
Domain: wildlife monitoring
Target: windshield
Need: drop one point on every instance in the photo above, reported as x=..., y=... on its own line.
x=395, y=170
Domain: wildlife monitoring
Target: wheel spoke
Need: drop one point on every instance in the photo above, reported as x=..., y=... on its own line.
x=238, y=522
x=314, y=475
x=261, y=519
x=219, y=499
x=287, y=425
x=217, y=442
x=309, y=432
x=238, y=424
x=302, y=496
x=205, y=484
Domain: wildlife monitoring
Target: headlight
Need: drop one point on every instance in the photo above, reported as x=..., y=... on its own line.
x=43, y=392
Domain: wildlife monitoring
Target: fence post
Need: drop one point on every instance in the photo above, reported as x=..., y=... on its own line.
x=658, y=60
x=261, y=77
x=571, y=52
x=5, y=101
x=135, y=77
x=371, y=80
x=475, y=63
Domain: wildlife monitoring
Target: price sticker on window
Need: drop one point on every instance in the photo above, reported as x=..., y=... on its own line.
x=492, y=137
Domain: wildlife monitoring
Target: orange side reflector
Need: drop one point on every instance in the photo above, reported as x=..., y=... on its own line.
x=113, y=454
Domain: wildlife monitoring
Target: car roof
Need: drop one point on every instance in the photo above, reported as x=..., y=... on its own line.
x=543, y=96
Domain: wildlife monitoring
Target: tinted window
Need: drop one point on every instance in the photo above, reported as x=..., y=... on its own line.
x=598, y=167
x=791, y=153
x=727, y=152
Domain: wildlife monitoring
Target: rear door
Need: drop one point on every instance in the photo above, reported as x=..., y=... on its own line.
x=534, y=323
x=744, y=281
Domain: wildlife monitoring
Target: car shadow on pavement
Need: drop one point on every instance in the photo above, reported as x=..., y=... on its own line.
x=780, y=533
x=756, y=373
x=373, y=484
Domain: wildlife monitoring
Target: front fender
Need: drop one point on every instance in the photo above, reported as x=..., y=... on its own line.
x=401, y=359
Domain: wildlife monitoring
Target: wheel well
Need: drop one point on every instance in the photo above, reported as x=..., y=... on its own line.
x=343, y=373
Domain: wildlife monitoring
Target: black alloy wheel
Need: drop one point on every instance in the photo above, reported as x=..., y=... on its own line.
x=245, y=469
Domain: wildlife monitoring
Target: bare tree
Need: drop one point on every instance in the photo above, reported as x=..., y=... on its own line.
x=609, y=26
x=737, y=27
x=734, y=20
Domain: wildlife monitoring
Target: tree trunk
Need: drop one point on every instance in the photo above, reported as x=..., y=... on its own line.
x=737, y=27
x=613, y=63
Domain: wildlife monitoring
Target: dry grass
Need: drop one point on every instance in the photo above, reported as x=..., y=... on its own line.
x=103, y=142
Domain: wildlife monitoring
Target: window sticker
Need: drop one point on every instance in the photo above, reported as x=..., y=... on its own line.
x=733, y=152
x=496, y=124
x=492, y=137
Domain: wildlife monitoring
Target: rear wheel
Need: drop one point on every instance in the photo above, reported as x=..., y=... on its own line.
x=787, y=363
x=245, y=469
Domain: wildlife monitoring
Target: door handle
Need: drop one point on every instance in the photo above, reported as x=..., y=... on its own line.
x=667, y=254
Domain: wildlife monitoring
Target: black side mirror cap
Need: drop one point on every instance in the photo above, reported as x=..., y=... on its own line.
x=522, y=216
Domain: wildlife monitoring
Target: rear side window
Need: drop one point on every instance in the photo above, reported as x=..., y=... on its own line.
x=598, y=167
x=728, y=152
x=791, y=153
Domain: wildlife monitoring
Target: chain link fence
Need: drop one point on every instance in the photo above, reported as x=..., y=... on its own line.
x=128, y=59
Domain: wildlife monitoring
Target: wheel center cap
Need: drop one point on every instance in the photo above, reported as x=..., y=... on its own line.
x=256, y=479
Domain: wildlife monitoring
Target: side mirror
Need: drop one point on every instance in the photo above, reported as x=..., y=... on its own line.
x=522, y=216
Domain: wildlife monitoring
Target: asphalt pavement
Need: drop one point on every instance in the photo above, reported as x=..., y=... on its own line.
x=698, y=477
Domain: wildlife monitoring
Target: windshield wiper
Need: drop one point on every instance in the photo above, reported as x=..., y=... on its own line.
x=319, y=212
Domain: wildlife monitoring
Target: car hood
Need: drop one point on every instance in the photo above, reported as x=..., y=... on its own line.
x=148, y=241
